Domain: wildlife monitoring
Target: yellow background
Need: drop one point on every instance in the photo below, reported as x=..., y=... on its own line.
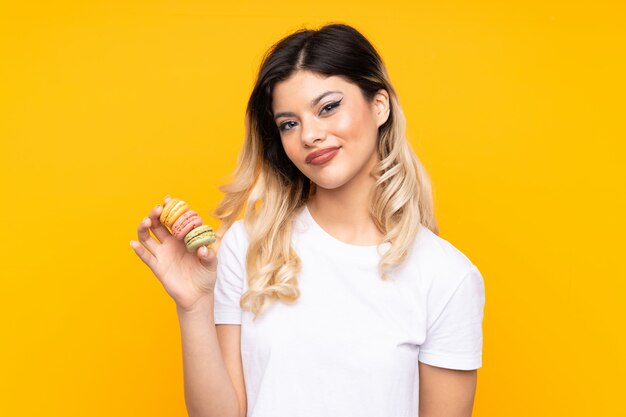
x=515, y=108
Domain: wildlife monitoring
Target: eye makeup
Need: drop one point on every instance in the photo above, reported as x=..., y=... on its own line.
x=329, y=107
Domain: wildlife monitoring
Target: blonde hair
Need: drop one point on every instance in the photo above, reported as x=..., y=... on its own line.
x=270, y=190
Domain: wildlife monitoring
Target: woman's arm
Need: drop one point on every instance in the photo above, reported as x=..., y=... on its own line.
x=209, y=390
x=446, y=392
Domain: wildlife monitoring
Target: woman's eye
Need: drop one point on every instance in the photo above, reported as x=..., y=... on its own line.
x=283, y=127
x=331, y=106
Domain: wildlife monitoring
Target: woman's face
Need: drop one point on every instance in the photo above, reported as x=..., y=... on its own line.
x=317, y=113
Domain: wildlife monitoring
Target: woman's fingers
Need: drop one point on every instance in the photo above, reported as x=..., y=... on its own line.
x=152, y=222
x=143, y=234
x=159, y=230
x=207, y=258
x=146, y=246
x=143, y=254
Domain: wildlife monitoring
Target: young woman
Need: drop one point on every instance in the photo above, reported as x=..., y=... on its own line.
x=334, y=294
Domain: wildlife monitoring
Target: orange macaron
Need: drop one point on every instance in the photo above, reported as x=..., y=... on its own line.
x=172, y=211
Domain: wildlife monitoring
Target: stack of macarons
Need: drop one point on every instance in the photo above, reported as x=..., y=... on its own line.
x=185, y=224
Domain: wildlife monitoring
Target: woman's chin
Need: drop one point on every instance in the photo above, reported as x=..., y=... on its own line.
x=329, y=184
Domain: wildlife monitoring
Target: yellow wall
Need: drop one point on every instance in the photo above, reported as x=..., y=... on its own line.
x=516, y=109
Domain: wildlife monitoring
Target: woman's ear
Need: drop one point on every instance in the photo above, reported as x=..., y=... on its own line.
x=381, y=106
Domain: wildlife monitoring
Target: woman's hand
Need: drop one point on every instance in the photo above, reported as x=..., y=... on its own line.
x=189, y=278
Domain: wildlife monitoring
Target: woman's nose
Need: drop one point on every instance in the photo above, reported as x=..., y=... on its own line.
x=312, y=131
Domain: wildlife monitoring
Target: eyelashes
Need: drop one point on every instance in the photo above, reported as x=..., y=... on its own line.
x=331, y=106
x=286, y=126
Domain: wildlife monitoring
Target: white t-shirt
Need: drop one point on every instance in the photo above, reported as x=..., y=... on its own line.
x=350, y=344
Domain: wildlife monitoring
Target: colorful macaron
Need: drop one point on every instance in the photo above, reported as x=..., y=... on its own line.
x=186, y=225
x=172, y=211
x=200, y=236
x=188, y=221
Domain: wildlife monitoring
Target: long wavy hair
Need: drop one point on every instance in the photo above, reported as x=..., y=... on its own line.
x=271, y=190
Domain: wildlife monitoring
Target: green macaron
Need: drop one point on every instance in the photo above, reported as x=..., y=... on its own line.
x=200, y=236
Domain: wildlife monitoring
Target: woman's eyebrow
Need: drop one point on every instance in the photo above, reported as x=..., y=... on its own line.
x=313, y=103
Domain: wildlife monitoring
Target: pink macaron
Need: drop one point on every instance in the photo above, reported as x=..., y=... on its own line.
x=185, y=224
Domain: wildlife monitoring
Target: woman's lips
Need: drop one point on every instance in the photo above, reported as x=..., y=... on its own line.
x=322, y=156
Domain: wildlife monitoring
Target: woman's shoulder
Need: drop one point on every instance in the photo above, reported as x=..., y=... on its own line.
x=440, y=246
x=437, y=255
x=235, y=236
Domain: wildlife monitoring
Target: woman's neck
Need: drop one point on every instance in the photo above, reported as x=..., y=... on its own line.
x=344, y=212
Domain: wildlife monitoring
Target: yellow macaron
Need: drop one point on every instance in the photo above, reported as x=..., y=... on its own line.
x=172, y=211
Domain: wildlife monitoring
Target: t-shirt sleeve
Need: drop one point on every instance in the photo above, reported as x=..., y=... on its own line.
x=229, y=285
x=454, y=338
